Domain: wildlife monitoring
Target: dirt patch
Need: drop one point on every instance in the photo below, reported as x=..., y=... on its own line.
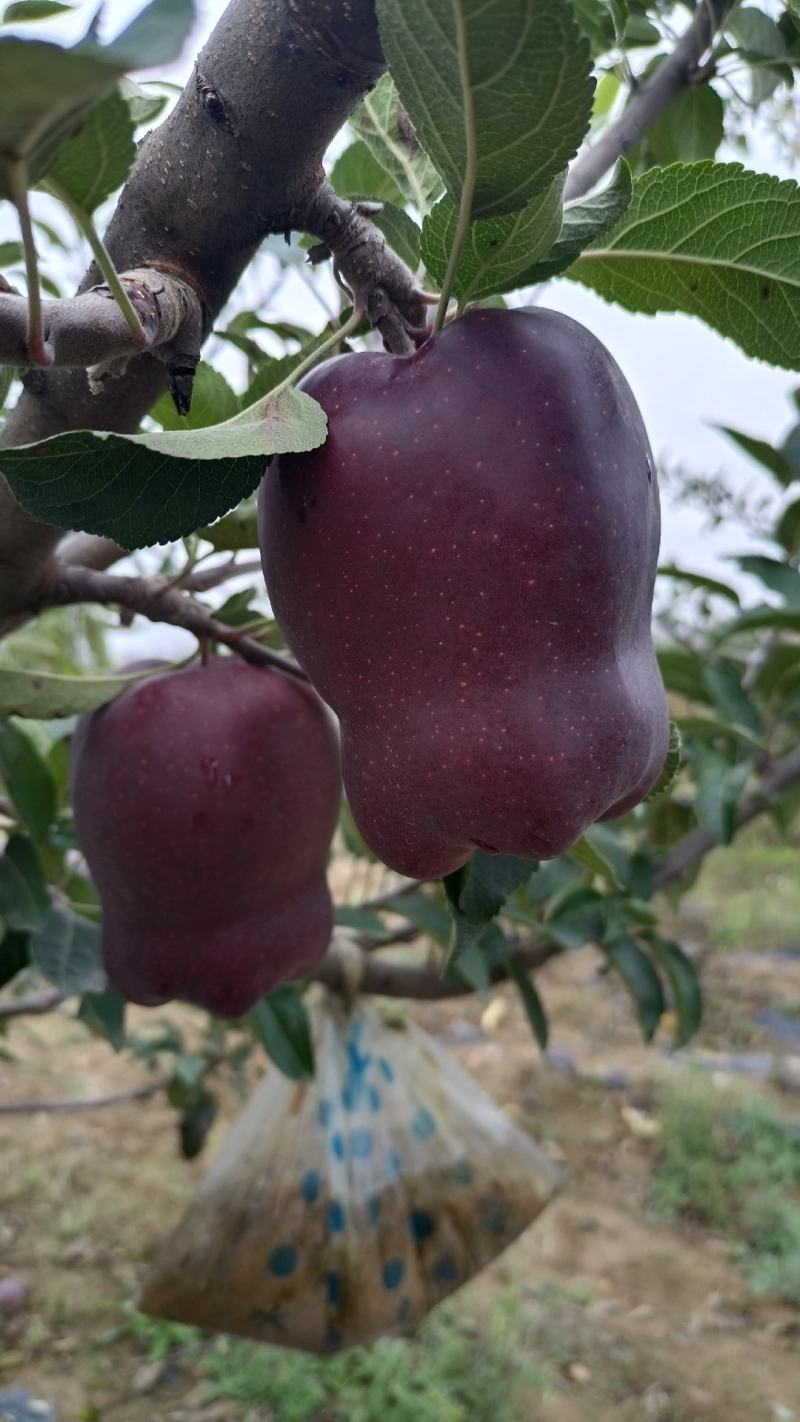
x=631, y=1319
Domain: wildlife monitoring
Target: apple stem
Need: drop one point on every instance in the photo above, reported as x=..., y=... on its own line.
x=35, y=340
x=470, y=170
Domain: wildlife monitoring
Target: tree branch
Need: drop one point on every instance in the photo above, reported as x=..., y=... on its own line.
x=90, y=330
x=240, y=153
x=692, y=847
x=380, y=282
x=34, y=1005
x=157, y=599
x=388, y=979
x=675, y=73
x=92, y=1103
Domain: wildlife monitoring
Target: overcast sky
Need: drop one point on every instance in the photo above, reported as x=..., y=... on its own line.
x=685, y=377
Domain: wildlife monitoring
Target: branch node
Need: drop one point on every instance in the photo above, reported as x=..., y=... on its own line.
x=381, y=284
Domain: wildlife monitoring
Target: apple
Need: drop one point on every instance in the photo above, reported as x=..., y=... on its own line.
x=205, y=800
x=465, y=569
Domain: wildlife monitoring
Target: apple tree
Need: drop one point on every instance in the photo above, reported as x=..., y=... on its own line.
x=480, y=148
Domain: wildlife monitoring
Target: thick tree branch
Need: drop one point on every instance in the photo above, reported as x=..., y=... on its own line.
x=676, y=71
x=157, y=599
x=240, y=153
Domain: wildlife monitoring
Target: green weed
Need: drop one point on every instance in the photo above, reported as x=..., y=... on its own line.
x=734, y=1166
x=452, y=1371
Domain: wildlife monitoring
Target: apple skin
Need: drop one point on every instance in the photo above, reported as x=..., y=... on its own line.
x=205, y=800
x=465, y=569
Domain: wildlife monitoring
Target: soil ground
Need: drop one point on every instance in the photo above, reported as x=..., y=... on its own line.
x=635, y=1320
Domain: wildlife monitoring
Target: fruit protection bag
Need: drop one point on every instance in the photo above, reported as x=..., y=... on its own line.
x=347, y=1206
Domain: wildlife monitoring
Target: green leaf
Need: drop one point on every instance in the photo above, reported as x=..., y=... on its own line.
x=759, y=39
x=764, y=454
x=531, y=1001
x=499, y=85
x=33, y=10
x=46, y=91
x=584, y=222
x=640, y=979
x=684, y=985
x=719, y=787
x=787, y=531
x=699, y=580
x=780, y=577
x=156, y=487
x=27, y=778
x=20, y=908
x=385, y=128
x=585, y=853
x=93, y=164
x=715, y=241
x=213, y=402
x=691, y=127
x=425, y=913
x=143, y=107
x=357, y=173
x=14, y=954
x=401, y=232
x=477, y=892
x=470, y=962
x=639, y=32
x=104, y=1014
x=724, y=683
x=672, y=764
x=282, y=1026
x=45, y=696
x=195, y=1123
x=760, y=619
x=237, y=530
x=682, y=672
x=154, y=37
x=713, y=726
x=66, y=950
x=496, y=249
x=600, y=25
x=781, y=665
x=361, y=920
x=486, y=881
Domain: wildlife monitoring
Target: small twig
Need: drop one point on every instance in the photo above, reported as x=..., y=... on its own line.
x=34, y=1005
x=69, y=583
x=209, y=578
x=696, y=844
x=675, y=73
x=92, y=1103
x=382, y=900
x=383, y=288
x=388, y=979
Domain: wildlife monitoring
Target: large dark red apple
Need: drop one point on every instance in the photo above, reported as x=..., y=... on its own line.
x=465, y=570
x=205, y=800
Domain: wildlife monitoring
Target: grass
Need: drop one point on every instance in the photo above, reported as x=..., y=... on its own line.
x=452, y=1371
x=734, y=1166
x=749, y=891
